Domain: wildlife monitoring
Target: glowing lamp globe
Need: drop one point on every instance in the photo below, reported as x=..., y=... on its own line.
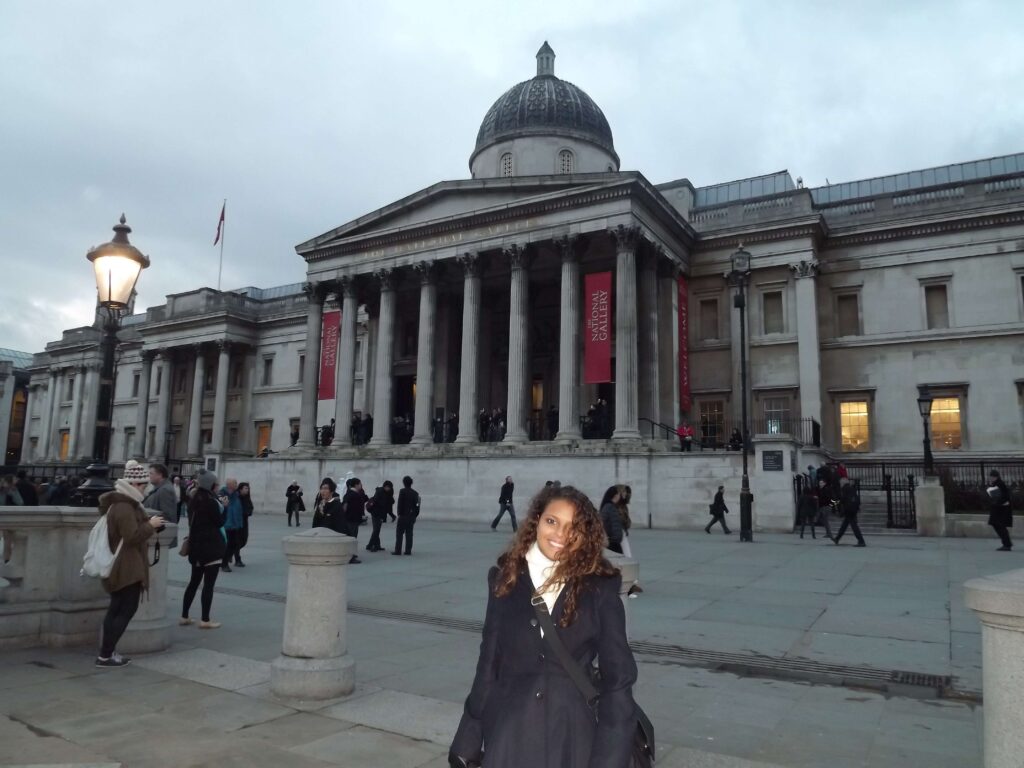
x=117, y=265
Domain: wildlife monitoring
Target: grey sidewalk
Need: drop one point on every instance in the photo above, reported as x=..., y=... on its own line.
x=206, y=701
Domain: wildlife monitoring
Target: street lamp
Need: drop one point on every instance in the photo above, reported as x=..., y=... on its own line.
x=117, y=265
x=924, y=405
x=738, y=277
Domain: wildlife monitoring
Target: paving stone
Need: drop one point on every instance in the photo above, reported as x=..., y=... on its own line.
x=220, y=670
x=359, y=747
x=416, y=717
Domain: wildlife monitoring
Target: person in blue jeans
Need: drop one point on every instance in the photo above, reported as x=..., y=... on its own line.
x=234, y=523
x=505, y=504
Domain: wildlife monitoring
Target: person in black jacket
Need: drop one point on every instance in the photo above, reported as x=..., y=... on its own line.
x=1000, y=515
x=29, y=497
x=206, y=545
x=327, y=511
x=807, y=512
x=293, y=503
x=353, y=507
x=523, y=708
x=718, y=511
x=505, y=504
x=380, y=507
x=611, y=518
x=849, y=502
x=408, y=511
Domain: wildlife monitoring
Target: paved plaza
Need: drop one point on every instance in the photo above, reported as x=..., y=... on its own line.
x=896, y=606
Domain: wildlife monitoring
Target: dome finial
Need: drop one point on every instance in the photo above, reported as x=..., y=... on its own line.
x=545, y=60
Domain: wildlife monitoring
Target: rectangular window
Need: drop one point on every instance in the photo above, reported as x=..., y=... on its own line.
x=771, y=311
x=159, y=379
x=209, y=379
x=151, y=442
x=237, y=369
x=947, y=431
x=302, y=368
x=776, y=415
x=65, y=441
x=232, y=438
x=180, y=381
x=263, y=431
x=268, y=372
x=135, y=384
x=708, y=319
x=936, y=305
x=33, y=447
x=359, y=356
x=410, y=338
x=854, y=426
x=848, y=314
x=129, y=441
x=70, y=390
x=712, y=422
x=207, y=436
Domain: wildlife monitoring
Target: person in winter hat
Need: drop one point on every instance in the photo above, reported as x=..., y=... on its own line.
x=130, y=526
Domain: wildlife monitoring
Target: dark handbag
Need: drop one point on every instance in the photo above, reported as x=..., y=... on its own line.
x=642, y=751
x=185, y=547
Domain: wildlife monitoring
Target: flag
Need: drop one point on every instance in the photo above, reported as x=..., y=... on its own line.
x=220, y=222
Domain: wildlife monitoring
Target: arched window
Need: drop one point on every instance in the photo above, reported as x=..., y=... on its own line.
x=505, y=164
x=565, y=161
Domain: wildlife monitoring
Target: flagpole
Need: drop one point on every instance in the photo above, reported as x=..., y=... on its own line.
x=223, y=230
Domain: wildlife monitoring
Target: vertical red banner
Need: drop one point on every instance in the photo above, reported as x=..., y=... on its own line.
x=684, y=346
x=597, y=328
x=329, y=354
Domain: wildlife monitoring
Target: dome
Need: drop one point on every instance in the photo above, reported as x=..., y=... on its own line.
x=545, y=105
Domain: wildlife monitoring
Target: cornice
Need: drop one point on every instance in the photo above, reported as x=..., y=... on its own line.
x=814, y=227
x=924, y=229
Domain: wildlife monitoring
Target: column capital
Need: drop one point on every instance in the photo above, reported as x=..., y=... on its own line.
x=427, y=271
x=517, y=255
x=147, y=355
x=386, y=277
x=570, y=247
x=669, y=269
x=224, y=345
x=470, y=263
x=164, y=353
x=346, y=287
x=55, y=370
x=626, y=238
x=805, y=268
x=316, y=292
x=94, y=365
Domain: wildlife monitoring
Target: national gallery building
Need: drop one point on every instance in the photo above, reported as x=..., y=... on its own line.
x=555, y=317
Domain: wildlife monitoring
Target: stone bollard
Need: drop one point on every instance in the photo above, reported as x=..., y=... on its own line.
x=630, y=575
x=998, y=601
x=930, y=503
x=314, y=661
x=150, y=628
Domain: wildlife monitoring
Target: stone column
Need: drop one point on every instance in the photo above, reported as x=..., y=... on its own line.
x=384, y=358
x=518, y=345
x=668, y=341
x=314, y=661
x=163, y=405
x=76, y=414
x=569, y=343
x=26, y=437
x=626, y=395
x=150, y=628
x=647, y=315
x=220, y=401
x=370, y=374
x=195, y=414
x=998, y=601
x=808, y=350
x=316, y=294
x=142, y=414
x=346, y=361
x=92, y=394
x=468, y=385
x=46, y=421
x=422, y=433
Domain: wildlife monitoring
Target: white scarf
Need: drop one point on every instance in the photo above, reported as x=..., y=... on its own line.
x=541, y=569
x=129, y=490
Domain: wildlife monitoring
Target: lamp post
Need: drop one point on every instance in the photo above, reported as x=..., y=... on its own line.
x=738, y=277
x=924, y=405
x=117, y=265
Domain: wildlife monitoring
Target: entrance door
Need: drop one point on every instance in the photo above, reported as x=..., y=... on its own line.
x=404, y=399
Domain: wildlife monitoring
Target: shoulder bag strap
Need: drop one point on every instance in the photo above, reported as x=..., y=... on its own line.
x=554, y=643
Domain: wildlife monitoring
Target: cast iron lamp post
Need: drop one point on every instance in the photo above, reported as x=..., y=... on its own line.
x=924, y=405
x=738, y=278
x=117, y=265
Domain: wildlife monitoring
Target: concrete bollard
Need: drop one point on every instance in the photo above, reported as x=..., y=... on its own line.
x=630, y=575
x=998, y=601
x=150, y=628
x=314, y=661
x=930, y=502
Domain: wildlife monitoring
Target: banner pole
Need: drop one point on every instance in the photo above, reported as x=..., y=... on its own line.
x=223, y=232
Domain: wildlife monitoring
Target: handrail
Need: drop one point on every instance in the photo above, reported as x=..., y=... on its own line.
x=670, y=432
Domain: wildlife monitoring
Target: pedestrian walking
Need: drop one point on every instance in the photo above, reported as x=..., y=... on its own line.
x=523, y=705
x=206, y=545
x=611, y=519
x=353, y=507
x=294, y=503
x=1000, y=514
x=718, y=511
x=380, y=507
x=129, y=527
x=26, y=489
x=182, y=499
x=849, y=503
x=408, y=511
x=244, y=496
x=505, y=504
x=625, y=498
x=808, y=513
x=234, y=520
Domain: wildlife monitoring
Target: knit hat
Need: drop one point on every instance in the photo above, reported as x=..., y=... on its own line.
x=135, y=472
x=206, y=480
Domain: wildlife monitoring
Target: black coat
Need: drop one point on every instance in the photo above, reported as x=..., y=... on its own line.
x=408, y=504
x=354, y=505
x=505, y=497
x=807, y=508
x=1000, y=512
x=718, y=505
x=29, y=497
x=849, y=499
x=205, y=517
x=612, y=521
x=294, y=499
x=382, y=504
x=524, y=710
x=329, y=515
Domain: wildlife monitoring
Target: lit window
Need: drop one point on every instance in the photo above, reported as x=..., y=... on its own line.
x=771, y=309
x=776, y=415
x=712, y=421
x=263, y=430
x=946, y=427
x=708, y=319
x=65, y=441
x=565, y=161
x=854, y=425
x=936, y=304
x=506, y=164
x=848, y=314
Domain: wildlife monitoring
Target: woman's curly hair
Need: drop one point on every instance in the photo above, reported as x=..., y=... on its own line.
x=584, y=555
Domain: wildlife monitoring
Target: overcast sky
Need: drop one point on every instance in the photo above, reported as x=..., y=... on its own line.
x=307, y=114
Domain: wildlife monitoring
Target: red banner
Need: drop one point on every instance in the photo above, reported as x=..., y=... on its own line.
x=329, y=354
x=684, y=347
x=597, y=328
